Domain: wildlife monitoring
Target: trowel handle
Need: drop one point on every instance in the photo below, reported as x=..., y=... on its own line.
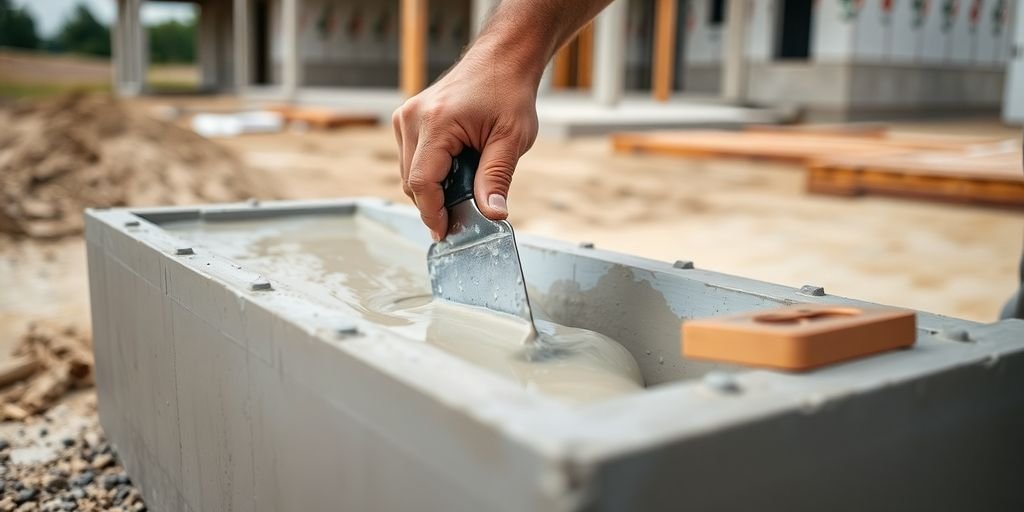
x=458, y=186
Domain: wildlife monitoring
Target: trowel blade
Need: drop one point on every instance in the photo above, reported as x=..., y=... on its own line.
x=477, y=263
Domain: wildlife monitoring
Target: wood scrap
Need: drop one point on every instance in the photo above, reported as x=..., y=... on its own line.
x=61, y=361
x=323, y=119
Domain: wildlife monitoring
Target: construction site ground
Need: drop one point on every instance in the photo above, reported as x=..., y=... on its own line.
x=741, y=217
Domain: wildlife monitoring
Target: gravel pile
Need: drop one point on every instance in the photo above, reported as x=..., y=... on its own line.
x=62, y=461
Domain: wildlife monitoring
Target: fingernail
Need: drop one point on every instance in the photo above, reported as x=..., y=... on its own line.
x=498, y=202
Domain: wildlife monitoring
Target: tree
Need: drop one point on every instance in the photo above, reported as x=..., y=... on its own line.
x=17, y=27
x=82, y=33
x=173, y=41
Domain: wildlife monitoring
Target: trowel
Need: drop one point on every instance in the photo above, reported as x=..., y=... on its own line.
x=476, y=263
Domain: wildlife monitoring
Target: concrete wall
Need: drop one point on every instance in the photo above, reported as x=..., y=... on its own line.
x=1013, y=110
x=355, y=42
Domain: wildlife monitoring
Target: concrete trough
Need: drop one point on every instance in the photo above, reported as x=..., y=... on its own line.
x=227, y=384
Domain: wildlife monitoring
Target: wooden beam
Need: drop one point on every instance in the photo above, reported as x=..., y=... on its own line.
x=585, y=57
x=413, y=67
x=562, y=68
x=664, y=49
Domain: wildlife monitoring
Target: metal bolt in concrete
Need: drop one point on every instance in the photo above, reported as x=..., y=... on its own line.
x=683, y=264
x=347, y=331
x=958, y=334
x=253, y=202
x=721, y=382
x=131, y=224
x=586, y=245
x=814, y=291
x=260, y=285
x=184, y=251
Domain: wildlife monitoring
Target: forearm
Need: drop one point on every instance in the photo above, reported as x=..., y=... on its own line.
x=525, y=34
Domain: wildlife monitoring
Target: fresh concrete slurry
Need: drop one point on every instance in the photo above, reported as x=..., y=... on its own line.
x=357, y=265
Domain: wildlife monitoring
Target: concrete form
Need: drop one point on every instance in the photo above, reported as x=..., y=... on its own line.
x=228, y=390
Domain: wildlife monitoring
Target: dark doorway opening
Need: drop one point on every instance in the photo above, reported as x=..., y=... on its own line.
x=795, y=29
x=261, y=42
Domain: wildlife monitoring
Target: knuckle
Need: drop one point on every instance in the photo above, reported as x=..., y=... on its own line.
x=434, y=112
x=418, y=184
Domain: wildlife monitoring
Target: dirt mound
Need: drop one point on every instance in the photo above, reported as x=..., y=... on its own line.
x=62, y=155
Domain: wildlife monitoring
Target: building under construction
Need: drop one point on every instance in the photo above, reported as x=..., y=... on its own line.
x=834, y=59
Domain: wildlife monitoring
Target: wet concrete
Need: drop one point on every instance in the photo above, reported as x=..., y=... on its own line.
x=355, y=264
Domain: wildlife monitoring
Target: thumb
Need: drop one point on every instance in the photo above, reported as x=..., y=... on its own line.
x=494, y=177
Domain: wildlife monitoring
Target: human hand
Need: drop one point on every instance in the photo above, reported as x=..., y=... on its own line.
x=484, y=102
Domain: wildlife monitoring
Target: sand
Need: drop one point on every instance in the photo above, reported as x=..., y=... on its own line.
x=62, y=155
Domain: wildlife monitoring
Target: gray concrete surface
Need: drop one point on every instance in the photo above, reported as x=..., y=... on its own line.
x=220, y=396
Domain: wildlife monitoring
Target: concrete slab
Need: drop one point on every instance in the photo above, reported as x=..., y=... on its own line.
x=224, y=396
x=561, y=115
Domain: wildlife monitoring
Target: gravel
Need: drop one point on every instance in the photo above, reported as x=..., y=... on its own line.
x=65, y=479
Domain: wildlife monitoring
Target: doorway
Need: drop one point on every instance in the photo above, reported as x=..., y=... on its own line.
x=795, y=30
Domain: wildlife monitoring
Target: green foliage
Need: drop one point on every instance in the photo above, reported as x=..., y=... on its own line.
x=83, y=33
x=173, y=41
x=17, y=28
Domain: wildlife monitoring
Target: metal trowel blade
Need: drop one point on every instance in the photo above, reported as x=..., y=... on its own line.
x=477, y=263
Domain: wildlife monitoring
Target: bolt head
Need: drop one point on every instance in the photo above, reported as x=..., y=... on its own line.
x=814, y=291
x=260, y=285
x=958, y=334
x=721, y=382
x=683, y=264
x=184, y=251
x=347, y=331
x=586, y=245
x=131, y=224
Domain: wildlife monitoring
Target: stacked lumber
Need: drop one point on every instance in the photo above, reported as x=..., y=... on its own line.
x=870, y=161
x=988, y=175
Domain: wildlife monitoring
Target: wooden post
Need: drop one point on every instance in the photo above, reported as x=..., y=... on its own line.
x=585, y=56
x=413, y=67
x=664, y=49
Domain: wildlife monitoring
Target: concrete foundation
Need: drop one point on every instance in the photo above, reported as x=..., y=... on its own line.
x=225, y=388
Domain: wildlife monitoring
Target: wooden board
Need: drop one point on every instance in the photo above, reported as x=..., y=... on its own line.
x=324, y=118
x=949, y=168
x=869, y=130
x=991, y=177
x=795, y=147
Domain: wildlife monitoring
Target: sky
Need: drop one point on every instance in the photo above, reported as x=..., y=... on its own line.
x=50, y=14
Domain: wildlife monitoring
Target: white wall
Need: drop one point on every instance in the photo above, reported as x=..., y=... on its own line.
x=832, y=32
x=761, y=26
x=704, y=42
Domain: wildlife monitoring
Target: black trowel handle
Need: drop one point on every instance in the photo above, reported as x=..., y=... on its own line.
x=458, y=186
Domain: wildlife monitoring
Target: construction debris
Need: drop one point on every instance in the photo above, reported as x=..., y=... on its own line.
x=62, y=155
x=51, y=361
